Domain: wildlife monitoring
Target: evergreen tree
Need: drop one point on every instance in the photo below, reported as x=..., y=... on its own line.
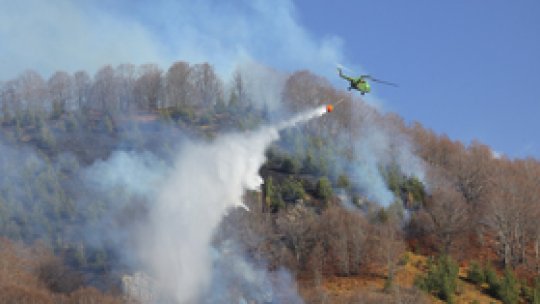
x=441, y=278
x=323, y=188
x=508, y=290
x=476, y=273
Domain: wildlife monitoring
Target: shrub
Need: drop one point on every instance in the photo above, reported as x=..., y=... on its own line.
x=273, y=198
x=343, y=181
x=404, y=259
x=291, y=165
x=441, y=279
x=324, y=188
x=476, y=273
x=531, y=294
x=388, y=284
x=292, y=189
x=508, y=289
x=492, y=280
x=535, y=299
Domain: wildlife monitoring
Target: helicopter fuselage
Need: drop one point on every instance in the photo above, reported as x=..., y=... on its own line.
x=361, y=85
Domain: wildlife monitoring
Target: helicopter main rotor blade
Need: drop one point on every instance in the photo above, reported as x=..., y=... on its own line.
x=383, y=81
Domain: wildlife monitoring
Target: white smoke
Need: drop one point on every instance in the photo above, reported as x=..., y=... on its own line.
x=135, y=173
x=379, y=145
x=206, y=180
x=263, y=85
x=84, y=35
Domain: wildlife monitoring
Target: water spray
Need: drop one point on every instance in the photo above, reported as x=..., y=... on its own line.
x=207, y=180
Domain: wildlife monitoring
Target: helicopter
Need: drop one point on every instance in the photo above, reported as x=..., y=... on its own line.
x=360, y=83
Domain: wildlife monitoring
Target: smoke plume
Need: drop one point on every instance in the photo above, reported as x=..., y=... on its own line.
x=206, y=180
x=84, y=35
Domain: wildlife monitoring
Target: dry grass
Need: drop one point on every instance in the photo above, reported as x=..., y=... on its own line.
x=346, y=289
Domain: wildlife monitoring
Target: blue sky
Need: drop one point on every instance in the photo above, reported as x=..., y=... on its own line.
x=469, y=69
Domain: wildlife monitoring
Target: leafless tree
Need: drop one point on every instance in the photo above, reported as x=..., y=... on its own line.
x=208, y=86
x=148, y=87
x=446, y=217
x=344, y=235
x=179, y=91
x=239, y=95
x=60, y=86
x=104, y=93
x=509, y=210
x=82, y=85
x=384, y=242
x=126, y=75
x=297, y=227
x=33, y=91
x=11, y=100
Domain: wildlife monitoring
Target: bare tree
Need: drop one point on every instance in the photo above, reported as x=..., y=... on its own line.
x=384, y=242
x=179, y=91
x=11, y=100
x=82, y=85
x=33, y=91
x=208, y=86
x=509, y=210
x=297, y=227
x=305, y=90
x=60, y=86
x=471, y=170
x=125, y=75
x=343, y=235
x=239, y=95
x=446, y=217
x=148, y=87
x=104, y=94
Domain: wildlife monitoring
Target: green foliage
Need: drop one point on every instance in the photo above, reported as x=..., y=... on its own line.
x=388, y=284
x=404, y=260
x=441, y=279
x=323, y=189
x=273, y=198
x=315, y=162
x=290, y=165
x=414, y=186
x=309, y=165
x=508, y=289
x=382, y=215
x=531, y=294
x=476, y=273
x=393, y=179
x=492, y=280
x=292, y=189
x=535, y=294
x=410, y=189
x=184, y=113
x=343, y=181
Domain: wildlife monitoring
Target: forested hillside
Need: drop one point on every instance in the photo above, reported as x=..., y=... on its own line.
x=349, y=195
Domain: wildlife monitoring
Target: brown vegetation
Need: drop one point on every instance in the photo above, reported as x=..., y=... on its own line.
x=31, y=274
x=473, y=204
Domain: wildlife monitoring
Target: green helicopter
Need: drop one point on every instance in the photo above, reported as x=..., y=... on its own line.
x=360, y=83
